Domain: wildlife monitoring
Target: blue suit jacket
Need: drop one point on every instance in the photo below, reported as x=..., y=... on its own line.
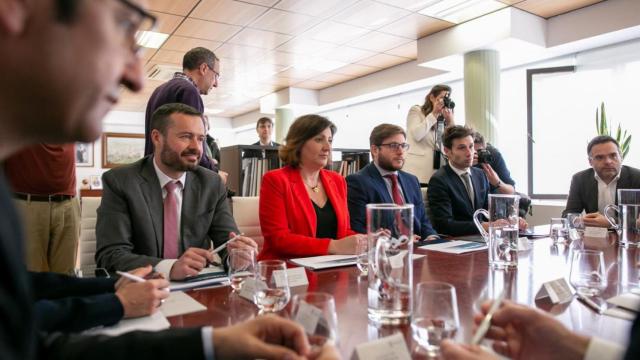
x=368, y=187
x=451, y=209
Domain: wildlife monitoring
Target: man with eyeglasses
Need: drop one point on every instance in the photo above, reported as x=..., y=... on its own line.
x=383, y=181
x=200, y=74
x=90, y=52
x=593, y=189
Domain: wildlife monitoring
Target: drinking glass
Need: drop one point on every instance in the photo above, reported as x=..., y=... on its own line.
x=559, y=230
x=242, y=265
x=316, y=312
x=272, y=286
x=502, y=237
x=588, y=274
x=435, y=316
x=362, y=253
x=575, y=221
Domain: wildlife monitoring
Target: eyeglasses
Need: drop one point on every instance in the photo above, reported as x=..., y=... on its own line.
x=135, y=26
x=216, y=74
x=396, y=146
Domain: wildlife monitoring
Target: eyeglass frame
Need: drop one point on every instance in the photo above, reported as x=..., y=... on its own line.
x=144, y=14
x=396, y=146
x=217, y=74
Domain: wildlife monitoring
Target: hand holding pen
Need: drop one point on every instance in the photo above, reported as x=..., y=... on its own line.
x=140, y=296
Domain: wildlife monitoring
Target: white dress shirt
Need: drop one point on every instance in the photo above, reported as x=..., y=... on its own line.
x=606, y=192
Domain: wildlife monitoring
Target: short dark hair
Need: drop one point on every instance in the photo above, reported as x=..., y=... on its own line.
x=455, y=132
x=303, y=128
x=601, y=139
x=478, y=138
x=196, y=56
x=161, y=118
x=383, y=131
x=263, y=120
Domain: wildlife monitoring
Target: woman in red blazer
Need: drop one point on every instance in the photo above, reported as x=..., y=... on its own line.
x=303, y=207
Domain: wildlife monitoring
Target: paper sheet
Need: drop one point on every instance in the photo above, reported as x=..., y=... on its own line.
x=154, y=322
x=456, y=247
x=179, y=303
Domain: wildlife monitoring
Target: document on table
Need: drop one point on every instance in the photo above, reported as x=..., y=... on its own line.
x=326, y=261
x=456, y=247
x=209, y=276
x=179, y=303
x=627, y=301
x=154, y=322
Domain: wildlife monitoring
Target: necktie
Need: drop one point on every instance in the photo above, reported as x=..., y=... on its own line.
x=395, y=189
x=467, y=184
x=171, y=234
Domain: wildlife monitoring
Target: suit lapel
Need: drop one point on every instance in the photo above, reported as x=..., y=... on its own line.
x=189, y=199
x=477, y=187
x=331, y=188
x=379, y=183
x=152, y=193
x=303, y=199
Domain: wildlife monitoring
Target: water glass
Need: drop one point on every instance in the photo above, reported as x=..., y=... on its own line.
x=435, y=316
x=502, y=238
x=272, y=286
x=316, y=312
x=362, y=253
x=559, y=230
x=588, y=275
x=242, y=265
x=575, y=221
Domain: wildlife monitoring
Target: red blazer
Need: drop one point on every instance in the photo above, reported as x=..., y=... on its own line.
x=287, y=217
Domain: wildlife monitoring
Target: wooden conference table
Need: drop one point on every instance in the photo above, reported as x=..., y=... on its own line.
x=474, y=282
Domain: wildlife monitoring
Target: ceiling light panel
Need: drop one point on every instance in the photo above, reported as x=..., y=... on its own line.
x=457, y=11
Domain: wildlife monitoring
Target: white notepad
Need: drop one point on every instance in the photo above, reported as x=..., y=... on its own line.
x=179, y=303
x=154, y=322
x=456, y=247
x=326, y=261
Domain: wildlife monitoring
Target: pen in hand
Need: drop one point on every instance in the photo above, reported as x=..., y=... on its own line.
x=224, y=246
x=136, y=278
x=486, y=322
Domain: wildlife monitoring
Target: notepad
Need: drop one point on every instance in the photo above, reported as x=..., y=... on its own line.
x=456, y=247
x=209, y=276
x=179, y=303
x=326, y=261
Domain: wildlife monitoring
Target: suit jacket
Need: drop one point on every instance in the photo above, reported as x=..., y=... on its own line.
x=256, y=153
x=288, y=219
x=368, y=187
x=451, y=209
x=129, y=227
x=420, y=137
x=65, y=303
x=583, y=192
x=20, y=339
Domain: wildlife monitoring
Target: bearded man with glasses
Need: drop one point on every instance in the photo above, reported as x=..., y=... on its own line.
x=383, y=181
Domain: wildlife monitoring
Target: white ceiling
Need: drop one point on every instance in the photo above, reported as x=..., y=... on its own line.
x=268, y=45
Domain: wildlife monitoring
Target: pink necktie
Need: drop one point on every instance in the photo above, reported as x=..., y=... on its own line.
x=395, y=190
x=170, y=247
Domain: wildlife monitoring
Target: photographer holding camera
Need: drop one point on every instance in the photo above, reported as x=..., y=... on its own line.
x=489, y=159
x=425, y=125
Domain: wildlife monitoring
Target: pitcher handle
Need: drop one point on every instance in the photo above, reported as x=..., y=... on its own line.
x=483, y=232
x=609, y=218
x=381, y=260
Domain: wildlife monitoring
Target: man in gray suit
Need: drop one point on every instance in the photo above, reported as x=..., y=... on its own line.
x=165, y=209
x=593, y=189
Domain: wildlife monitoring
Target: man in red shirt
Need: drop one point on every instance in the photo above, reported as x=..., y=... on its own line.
x=43, y=179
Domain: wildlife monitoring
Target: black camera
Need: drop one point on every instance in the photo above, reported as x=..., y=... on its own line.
x=484, y=156
x=448, y=103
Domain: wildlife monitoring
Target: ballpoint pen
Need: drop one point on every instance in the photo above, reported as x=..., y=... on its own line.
x=589, y=303
x=132, y=277
x=486, y=322
x=224, y=246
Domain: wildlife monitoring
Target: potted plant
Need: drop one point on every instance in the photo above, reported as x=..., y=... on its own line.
x=602, y=128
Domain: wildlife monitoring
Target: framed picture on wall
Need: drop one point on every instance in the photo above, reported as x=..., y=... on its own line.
x=95, y=182
x=84, y=154
x=120, y=149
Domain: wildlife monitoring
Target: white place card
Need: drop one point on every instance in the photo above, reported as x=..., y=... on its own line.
x=524, y=244
x=308, y=316
x=596, y=232
x=558, y=291
x=249, y=288
x=388, y=348
x=295, y=276
x=397, y=261
x=628, y=301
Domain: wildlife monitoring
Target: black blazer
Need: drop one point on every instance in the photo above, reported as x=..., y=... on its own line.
x=368, y=187
x=583, y=193
x=256, y=153
x=20, y=339
x=451, y=209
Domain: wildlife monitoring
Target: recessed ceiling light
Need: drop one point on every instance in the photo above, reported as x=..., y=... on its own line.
x=457, y=11
x=151, y=39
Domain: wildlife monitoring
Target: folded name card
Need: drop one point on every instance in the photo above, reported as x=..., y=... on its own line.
x=558, y=291
x=596, y=232
x=295, y=276
x=388, y=348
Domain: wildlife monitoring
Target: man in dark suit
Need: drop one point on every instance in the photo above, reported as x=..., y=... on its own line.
x=264, y=128
x=457, y=189
x=165, y=209
x=593, y=189
x=91, y=51
x=383, y=181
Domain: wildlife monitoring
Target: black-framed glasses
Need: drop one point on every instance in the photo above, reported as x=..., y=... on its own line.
x=217, y=74
x=135, y=27
x=396, y=146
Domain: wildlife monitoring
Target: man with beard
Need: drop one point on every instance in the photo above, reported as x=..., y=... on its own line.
x=164, y=209
x=383, y=181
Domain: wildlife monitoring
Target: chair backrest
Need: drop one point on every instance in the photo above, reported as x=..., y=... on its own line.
x=87, y=247
x=245, y=213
